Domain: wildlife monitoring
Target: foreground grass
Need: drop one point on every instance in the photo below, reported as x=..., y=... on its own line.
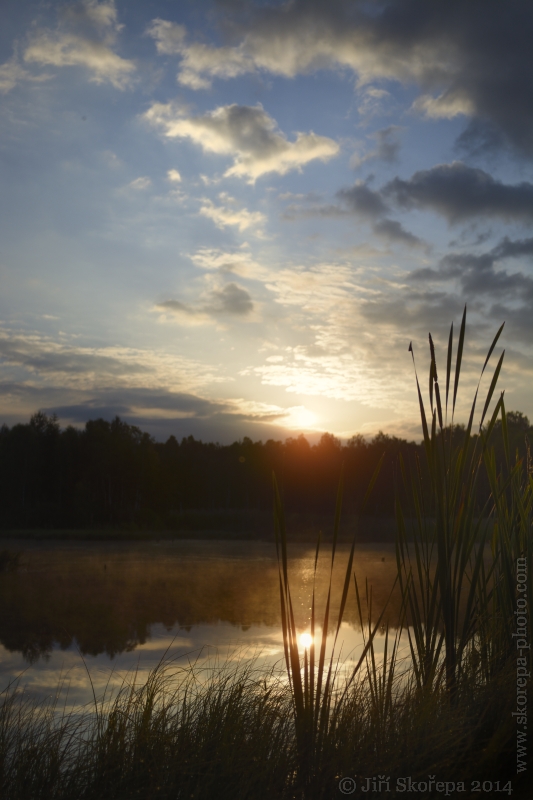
x=233, y=735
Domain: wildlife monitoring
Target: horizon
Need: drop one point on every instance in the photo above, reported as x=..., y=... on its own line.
x=230, y=219
x=313, y=440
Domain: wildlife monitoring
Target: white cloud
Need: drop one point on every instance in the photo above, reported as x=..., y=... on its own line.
x=84, y=37
x=140, y=183
x=222, y=62
x=198, y=59
x=373, y=102
x=174, y=176
x=246, y=133
x=64, y=363
x=293, y=42
x=11, y=73
x=237, y=263
x=169, y=36
x=228, y=215
x=63, y=50
x=446, y=106
x=336, y=355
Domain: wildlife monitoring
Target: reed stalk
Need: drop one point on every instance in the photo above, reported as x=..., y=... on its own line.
x=317, y=705
x=442, y=572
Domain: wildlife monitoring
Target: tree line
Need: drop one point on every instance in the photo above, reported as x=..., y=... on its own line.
x=112, y=474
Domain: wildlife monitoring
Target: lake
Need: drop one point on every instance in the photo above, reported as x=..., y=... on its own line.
x=74, y=610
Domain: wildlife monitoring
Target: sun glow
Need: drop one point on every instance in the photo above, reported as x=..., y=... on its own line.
x=300, y=417
x=306, y=640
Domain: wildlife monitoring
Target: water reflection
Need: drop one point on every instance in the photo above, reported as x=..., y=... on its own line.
x=74, y=609
x=108, y=598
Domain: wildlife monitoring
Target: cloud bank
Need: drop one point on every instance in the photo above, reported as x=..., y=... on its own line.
x=472, y=59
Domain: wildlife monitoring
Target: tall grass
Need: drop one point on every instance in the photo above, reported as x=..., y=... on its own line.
x=232, y=735
x=442, y=574
x=315, y=702
x=180, y=734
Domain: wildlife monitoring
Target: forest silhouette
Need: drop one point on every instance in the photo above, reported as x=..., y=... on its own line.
x=113, y=475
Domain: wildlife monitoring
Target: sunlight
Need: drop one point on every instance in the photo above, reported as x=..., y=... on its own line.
x=306, y=640
x=300, y=417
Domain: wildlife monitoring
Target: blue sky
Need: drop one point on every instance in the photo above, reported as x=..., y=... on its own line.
x=231, y=218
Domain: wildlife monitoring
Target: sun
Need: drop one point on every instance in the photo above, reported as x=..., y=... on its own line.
x=306, y=640
x=300, y=417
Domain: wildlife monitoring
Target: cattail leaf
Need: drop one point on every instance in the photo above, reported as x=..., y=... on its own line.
x=421, y=403
x=493, y=345
x=433, y=377
x=492, y=386
x=423, y=416
x=439, y=405
x=470, y=419
x=449, y=365
x=459, y=359
x=431, y=380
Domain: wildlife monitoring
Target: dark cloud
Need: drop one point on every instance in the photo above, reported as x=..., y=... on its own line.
x=478, y=277
x=369, y=204
x=459, y=192
x=159, y=412
x=364, y=201
x=387, y=147
x=300, y=211
x=477, y=274
x=508, y=248
x=494, y=295
x=387, y=144
x=519, y=322
x=454, y=264
x=490, y=64
x=29, y=352
x=19, y=390
x=185, y=415
x=176, y=306
x=418, y=310
x=110, y=402
x=393, y=231
x=232, y=299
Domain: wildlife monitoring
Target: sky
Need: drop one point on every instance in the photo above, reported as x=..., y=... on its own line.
x=228, y=218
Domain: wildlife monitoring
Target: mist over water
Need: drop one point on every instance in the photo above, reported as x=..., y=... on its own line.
x=109, y=610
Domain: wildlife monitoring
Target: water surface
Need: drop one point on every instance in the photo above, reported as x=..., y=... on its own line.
x=74, y=610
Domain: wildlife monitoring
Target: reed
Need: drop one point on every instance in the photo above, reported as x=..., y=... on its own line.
x=317, y=703
x=442, y=572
